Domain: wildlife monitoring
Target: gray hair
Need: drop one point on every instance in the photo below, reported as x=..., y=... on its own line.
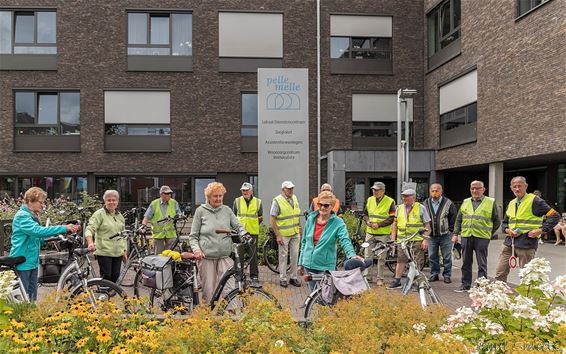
x=477, y=182
x=520, y=178
x=110, y=193
x=437, y=184
x=326, y=185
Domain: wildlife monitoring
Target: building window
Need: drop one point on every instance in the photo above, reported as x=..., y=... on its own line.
x=360, y=48
x=249, y=40
x=525, y=6
x=137, y=121
x=248, y=113
x=168, y=34
x=47, y=113
x=458, y=111
x=444, y=41
x=56, y=187
x=28, y=32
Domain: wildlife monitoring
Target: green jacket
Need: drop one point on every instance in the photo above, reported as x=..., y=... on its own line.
x=102, y=225
x=203, y=236
x=323, y=256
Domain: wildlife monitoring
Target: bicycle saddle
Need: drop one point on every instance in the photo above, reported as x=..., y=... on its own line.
x=11, y=261
x=80, y=251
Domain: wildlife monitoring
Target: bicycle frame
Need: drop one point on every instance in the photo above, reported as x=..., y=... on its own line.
x=414, y=274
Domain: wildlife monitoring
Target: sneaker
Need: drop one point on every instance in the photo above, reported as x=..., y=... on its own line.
x=462, y=289
x=295, y=282
x=395, y=284
x=283, y=283
x=447, y=280
x=433, y=277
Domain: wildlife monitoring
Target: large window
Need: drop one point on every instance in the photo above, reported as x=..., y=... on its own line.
x=458, y=111
x=360, y=44
x=28, y=32
x=47, y=112
x=56, y=187
x=525, y=6
x=160, y=33
x=444, y=32
x=137, y=121
x=249, y=121
x=249, y=40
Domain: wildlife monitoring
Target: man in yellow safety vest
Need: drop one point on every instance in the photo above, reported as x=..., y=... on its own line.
x=248, y=210
x=164, y=233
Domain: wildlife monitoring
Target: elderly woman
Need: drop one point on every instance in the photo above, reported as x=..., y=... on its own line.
x=322, y=230
x=104, y=223
x=27, y=235
x=209, y=246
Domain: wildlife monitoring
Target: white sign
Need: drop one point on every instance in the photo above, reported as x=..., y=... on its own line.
x=283, y=134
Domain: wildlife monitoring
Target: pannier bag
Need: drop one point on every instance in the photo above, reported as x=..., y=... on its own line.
x=338, y=284
x=157, y=272
x=51, y=265
x=272, y=241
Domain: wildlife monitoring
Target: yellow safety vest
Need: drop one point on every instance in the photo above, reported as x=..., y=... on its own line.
x=523, y=218
x=408, y=228
x=166, y=230
x=288, y=219
x=248, y=215
x=379, y=213
x=477, y=222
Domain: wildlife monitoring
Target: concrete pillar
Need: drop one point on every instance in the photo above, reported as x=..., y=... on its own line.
x=437, y=177
x=496, y=185
x=336, y=174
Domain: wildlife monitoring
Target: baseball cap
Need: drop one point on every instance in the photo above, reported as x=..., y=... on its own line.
x=378, y=185
x=409, y=191
x=287, y=184
x=165, y=189
x=246, y=186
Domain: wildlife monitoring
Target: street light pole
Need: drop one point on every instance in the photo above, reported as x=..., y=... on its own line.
x=403, y=96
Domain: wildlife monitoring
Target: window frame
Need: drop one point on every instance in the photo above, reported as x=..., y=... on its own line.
x=148, y=45
x=14, y=13
x=36, y=95
x=519, y=15
x=248, y=143
x=452, y=49
x=467, y=122
x=129, y=126
x=389, y=52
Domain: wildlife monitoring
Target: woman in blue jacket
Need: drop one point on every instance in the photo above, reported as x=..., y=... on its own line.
x=322, y=230
x=27, y=234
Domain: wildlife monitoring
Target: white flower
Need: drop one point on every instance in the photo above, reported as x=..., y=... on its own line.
x=541, y=324
x=492, y=327
x=556, y=315
x=279, y=343
x=559, y=285
x=524, y=307
x=7, y=282
x=419, y=327
x=534, y=272
x=546, y=288
x=491, y=295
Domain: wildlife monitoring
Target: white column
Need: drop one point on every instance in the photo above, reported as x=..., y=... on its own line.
x=496, y=185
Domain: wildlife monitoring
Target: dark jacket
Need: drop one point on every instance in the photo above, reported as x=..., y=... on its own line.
x=443, y=221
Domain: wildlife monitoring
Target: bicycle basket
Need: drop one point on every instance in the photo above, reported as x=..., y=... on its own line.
x=51, y=265
x=339, y=284
x=157, y=272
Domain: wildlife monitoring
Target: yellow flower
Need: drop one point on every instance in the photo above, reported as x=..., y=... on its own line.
x=81, y=342
x=16, y=324
x=8, y=312
x=104, y=336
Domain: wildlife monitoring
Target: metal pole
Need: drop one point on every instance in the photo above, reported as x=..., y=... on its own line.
x=318, y=151
x=407, y=179
x=400, y=173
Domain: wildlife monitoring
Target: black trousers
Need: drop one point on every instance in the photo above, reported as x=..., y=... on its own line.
x=109, y=267
x=254, y=271
x=480, y=246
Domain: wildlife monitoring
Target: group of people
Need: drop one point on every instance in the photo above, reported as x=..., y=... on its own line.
x=473, y=225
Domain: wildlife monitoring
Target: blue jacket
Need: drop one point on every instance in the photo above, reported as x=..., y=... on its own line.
x=323, y=256
x=27, y=235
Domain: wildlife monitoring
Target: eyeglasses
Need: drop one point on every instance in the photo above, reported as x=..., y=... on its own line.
x=323, y=205
x=167, y=193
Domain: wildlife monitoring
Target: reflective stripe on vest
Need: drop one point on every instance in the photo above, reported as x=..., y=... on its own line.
x=379, y=213
x=477, y=222
x=248, y=214
x=523, y=218
x=335, y=208
x=408, y=228
x=165, y=230
x=288, y=219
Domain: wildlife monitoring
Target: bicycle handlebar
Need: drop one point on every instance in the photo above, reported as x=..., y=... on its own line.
x=174, y=219
x=121, y=234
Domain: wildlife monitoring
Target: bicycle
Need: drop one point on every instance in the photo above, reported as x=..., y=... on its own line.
x=237, y=299
x=427, y=295
x=94, y=289
x=18, y=292
x=271, y=253
x=138, y=248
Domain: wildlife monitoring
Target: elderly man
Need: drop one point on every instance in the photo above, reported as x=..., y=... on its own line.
x=379, y=213
x=443, y=214
x=411, y=216
x=284, y=220
x=164, y=233
x=476, y=223
x=523, y=223
x=336, y=208
x=248, y=210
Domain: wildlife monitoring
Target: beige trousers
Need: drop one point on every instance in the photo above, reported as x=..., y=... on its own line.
x=524, y=256
x=211, y=270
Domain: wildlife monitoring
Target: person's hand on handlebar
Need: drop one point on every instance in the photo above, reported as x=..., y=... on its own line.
x=199, y=255
x=91, y=247
x=73, y=228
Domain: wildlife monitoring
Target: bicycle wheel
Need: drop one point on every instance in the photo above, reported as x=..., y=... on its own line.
x=315, y=306
x=150, y=297
x=428, y=296
x=235, y=301
x=271, y=258
x=98, y=291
